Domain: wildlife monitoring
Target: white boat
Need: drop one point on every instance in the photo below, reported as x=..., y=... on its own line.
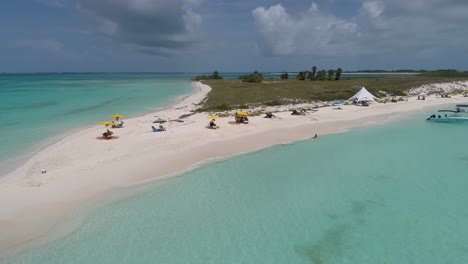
x=459, y=115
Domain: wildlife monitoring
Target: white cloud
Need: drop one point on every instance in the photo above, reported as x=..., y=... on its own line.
x=376, y=27
x=154, y=26
x=313, y=32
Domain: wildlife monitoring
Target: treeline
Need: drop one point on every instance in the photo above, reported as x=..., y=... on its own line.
x=386, y=71
x=316, y=75
x=445, y=73
x=214, y=76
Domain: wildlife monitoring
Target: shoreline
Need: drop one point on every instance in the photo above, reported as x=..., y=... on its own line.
x=13, y=162
x=78, y=165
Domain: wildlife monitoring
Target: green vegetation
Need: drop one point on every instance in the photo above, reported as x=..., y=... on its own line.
x=255, y=77
x=214, y=76
x=227, y=94
x=320, y=75
x=445, y=73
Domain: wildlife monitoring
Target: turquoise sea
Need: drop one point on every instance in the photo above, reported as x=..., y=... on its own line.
x=393, y=193
x=36, y=107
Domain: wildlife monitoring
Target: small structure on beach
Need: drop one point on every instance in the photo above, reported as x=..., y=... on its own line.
x=241, y=117
x=363, y=96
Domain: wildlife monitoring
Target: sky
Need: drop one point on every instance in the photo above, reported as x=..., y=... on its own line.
x=231, y=36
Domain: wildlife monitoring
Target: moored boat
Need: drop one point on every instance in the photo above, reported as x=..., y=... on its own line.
x=459, y=115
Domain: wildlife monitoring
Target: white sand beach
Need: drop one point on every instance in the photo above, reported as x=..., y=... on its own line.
x=81, y=166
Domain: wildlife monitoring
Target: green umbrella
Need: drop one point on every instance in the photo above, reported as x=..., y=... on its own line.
x=159, y=120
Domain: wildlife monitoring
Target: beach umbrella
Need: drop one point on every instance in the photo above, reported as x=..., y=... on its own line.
x=117, y=116
x=107, y=123
x=213, y=117
x=241, y=113
x=160, y=121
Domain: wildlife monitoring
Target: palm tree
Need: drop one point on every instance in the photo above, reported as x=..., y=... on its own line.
x=331, y=73
x=314, y=71
x=339, y=71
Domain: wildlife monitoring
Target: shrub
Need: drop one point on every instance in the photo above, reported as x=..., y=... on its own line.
x=255, y=77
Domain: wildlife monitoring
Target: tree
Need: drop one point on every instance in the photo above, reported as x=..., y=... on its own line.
x=254, y=77
x=339, y=71
x=216, y=75
x=301, y=76
x=319, y=76
x=284, y=76
x=314, y=71
x=310, y=75
x=259, y=74
x=331, y=73
x=323, y=75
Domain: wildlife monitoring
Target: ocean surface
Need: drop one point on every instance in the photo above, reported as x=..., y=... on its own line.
x=393, y=193
x=37, y=107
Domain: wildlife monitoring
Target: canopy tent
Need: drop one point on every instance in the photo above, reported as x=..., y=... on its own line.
x=363, y=95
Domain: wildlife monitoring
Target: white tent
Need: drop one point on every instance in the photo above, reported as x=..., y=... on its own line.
x=363, y=95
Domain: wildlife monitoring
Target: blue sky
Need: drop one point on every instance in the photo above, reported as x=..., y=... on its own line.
x=243, y=35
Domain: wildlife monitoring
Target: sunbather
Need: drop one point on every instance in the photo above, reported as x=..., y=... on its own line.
x=120, y=125
x=160, y=129
x=213, y=124
x=107, y=134
x=269, y=115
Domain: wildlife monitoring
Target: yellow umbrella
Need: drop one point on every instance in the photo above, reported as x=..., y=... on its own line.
x=242, y=113
x=107, y=123
x=213, y=117
x=117, y=116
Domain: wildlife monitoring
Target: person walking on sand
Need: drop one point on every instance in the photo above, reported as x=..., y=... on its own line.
x=316, y=136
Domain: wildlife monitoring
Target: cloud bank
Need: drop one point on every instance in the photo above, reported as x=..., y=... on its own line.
x=154, y=26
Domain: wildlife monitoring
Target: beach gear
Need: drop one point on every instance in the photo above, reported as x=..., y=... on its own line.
x=117, y=116
x=107, y=123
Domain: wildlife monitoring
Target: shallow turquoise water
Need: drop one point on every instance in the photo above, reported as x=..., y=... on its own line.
x=34, y=107
x=394, y=193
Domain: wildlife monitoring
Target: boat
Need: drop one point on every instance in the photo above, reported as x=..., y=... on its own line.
x=459, y=115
